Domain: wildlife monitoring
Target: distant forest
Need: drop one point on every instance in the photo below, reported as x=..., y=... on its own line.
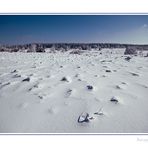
x=40, y=47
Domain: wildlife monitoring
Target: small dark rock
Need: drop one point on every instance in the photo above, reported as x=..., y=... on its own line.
x=91, y=118
x=103, y=61
x=30, y=89
x=103, y=76
x=114, y=99
x=134, y=74
x=146, y=55
x=128, y=59
x=98, y=113
x=83, y=118
x=14, y=71
x=108, y=70
x=118, y=87
x=34, y=86
x=40, y=97
x=26, y=79
x=76, y=75
x=123, y=83
x=48, y=76
x=64, y=79
x=30, y=74
x=89, y=87
x=109, y=61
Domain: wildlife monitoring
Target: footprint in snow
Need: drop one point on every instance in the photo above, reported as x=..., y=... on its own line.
x=79, y=80
x=105, y=66
x=123, y=83
x=96, y=99
x=48, y=76
x=33, y=87
x=103, y=76
x=118, y=87
x=95, y=75
x=76, y=75
x=14, y=71
x=134, y=74
x=143, y=85
x=67, y=103
x=42, y=97
x=53, y=110
x=100, y=112
x=23, y=105
x=16, y=76
x=4, y=85
x=30, y=75
x=68, y=93
x=40, y=79
x=33, y=67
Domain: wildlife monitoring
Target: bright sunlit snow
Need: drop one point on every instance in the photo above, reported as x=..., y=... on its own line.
x=73, y=93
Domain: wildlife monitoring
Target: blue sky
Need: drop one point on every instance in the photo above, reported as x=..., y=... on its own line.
x=73, y=28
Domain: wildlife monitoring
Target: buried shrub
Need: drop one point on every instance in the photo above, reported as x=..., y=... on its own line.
x=130, y=50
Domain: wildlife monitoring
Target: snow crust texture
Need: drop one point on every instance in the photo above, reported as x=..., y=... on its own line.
x=51, y=92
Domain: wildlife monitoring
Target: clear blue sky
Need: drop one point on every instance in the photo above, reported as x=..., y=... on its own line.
x=73, y=28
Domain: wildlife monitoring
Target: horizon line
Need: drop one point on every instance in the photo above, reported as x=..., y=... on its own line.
x=20, y=44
